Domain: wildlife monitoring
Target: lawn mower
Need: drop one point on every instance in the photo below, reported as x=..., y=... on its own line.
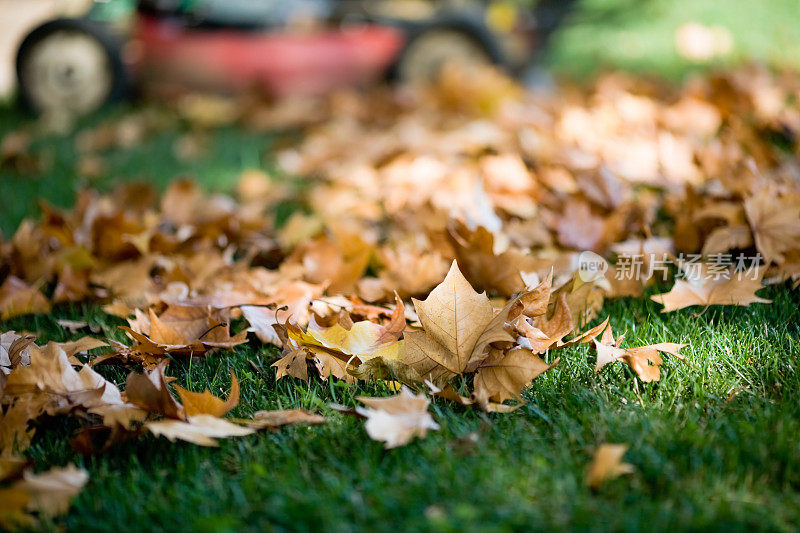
x=281, y=47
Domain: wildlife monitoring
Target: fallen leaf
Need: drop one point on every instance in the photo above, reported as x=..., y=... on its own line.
x=205, y=403
x=644, y=360
x=398, y=419
x=199, y=429
x=150, y=392
x=14, y=350
x=453, y=317
x=775, y=223
x=607, y=465
x=280, y=418
x=736, y=290
x=50, y=384
x=51, y=492
x=504, y=375
x=19, y=298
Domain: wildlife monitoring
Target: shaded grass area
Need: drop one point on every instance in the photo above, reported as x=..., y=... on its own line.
x=230, y=151
x=714, y=444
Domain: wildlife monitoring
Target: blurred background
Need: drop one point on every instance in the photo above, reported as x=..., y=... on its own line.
x=73, y=73
x=667, y=38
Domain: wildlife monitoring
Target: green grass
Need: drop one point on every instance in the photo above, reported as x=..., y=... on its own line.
x=231, y=150
x=638, y=35
x=714, y=443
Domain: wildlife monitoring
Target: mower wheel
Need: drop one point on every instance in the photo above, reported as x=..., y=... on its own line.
x=71, y=66
x=431, y=48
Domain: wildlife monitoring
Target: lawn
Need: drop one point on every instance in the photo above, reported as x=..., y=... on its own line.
x=714, y=444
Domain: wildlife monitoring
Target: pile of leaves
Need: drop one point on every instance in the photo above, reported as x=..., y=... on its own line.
x=437, y=249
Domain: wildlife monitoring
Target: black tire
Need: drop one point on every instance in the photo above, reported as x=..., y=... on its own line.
x=471, y=32
x=108, y=47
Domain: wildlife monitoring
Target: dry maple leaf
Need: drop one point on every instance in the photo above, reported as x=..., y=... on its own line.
x=14, y=350
x=338, y=262
x=644, y=360
x=199, y=429
x=584, y=299
x=197, y=421
x=534, y=302
x=49, y=493
x=735, y=290
x=287, y=417
x=410, y=273
x=727, y=238
x=294, y=363
x=398, y=419
x=15, y=433
x=205, y=403
x=150, y=392
x=262, y=320
x=19, y=298
x=454, y=316
x=487, y=270
x=333, y=349
x=775, y=223
x=292, y=299
x=180, y=330
x=545, y=332
x=50, y=384
x=364, y=339
x=581, y=229
x=607, y=464
x=504, y=375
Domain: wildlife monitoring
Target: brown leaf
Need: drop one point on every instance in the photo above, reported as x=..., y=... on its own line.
x=484, y=268
x=454, y=317
x=534, y=303
x=727, y=238
x=294, y=363
x=411, y=273
x=706, y=292
x=15, y=434
x=50, y=384
x=644, y=360
x=775, y=223
x=180, y=330
x=18, y=298
x=150, y=392
x=581, y=229
x=199, y=429
x=51, y=492
x=504, y=375
x=607, y=464
x=280, y=418
x=398, y=419
x=363, y=339
x=14, y=350
x=205, y=403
